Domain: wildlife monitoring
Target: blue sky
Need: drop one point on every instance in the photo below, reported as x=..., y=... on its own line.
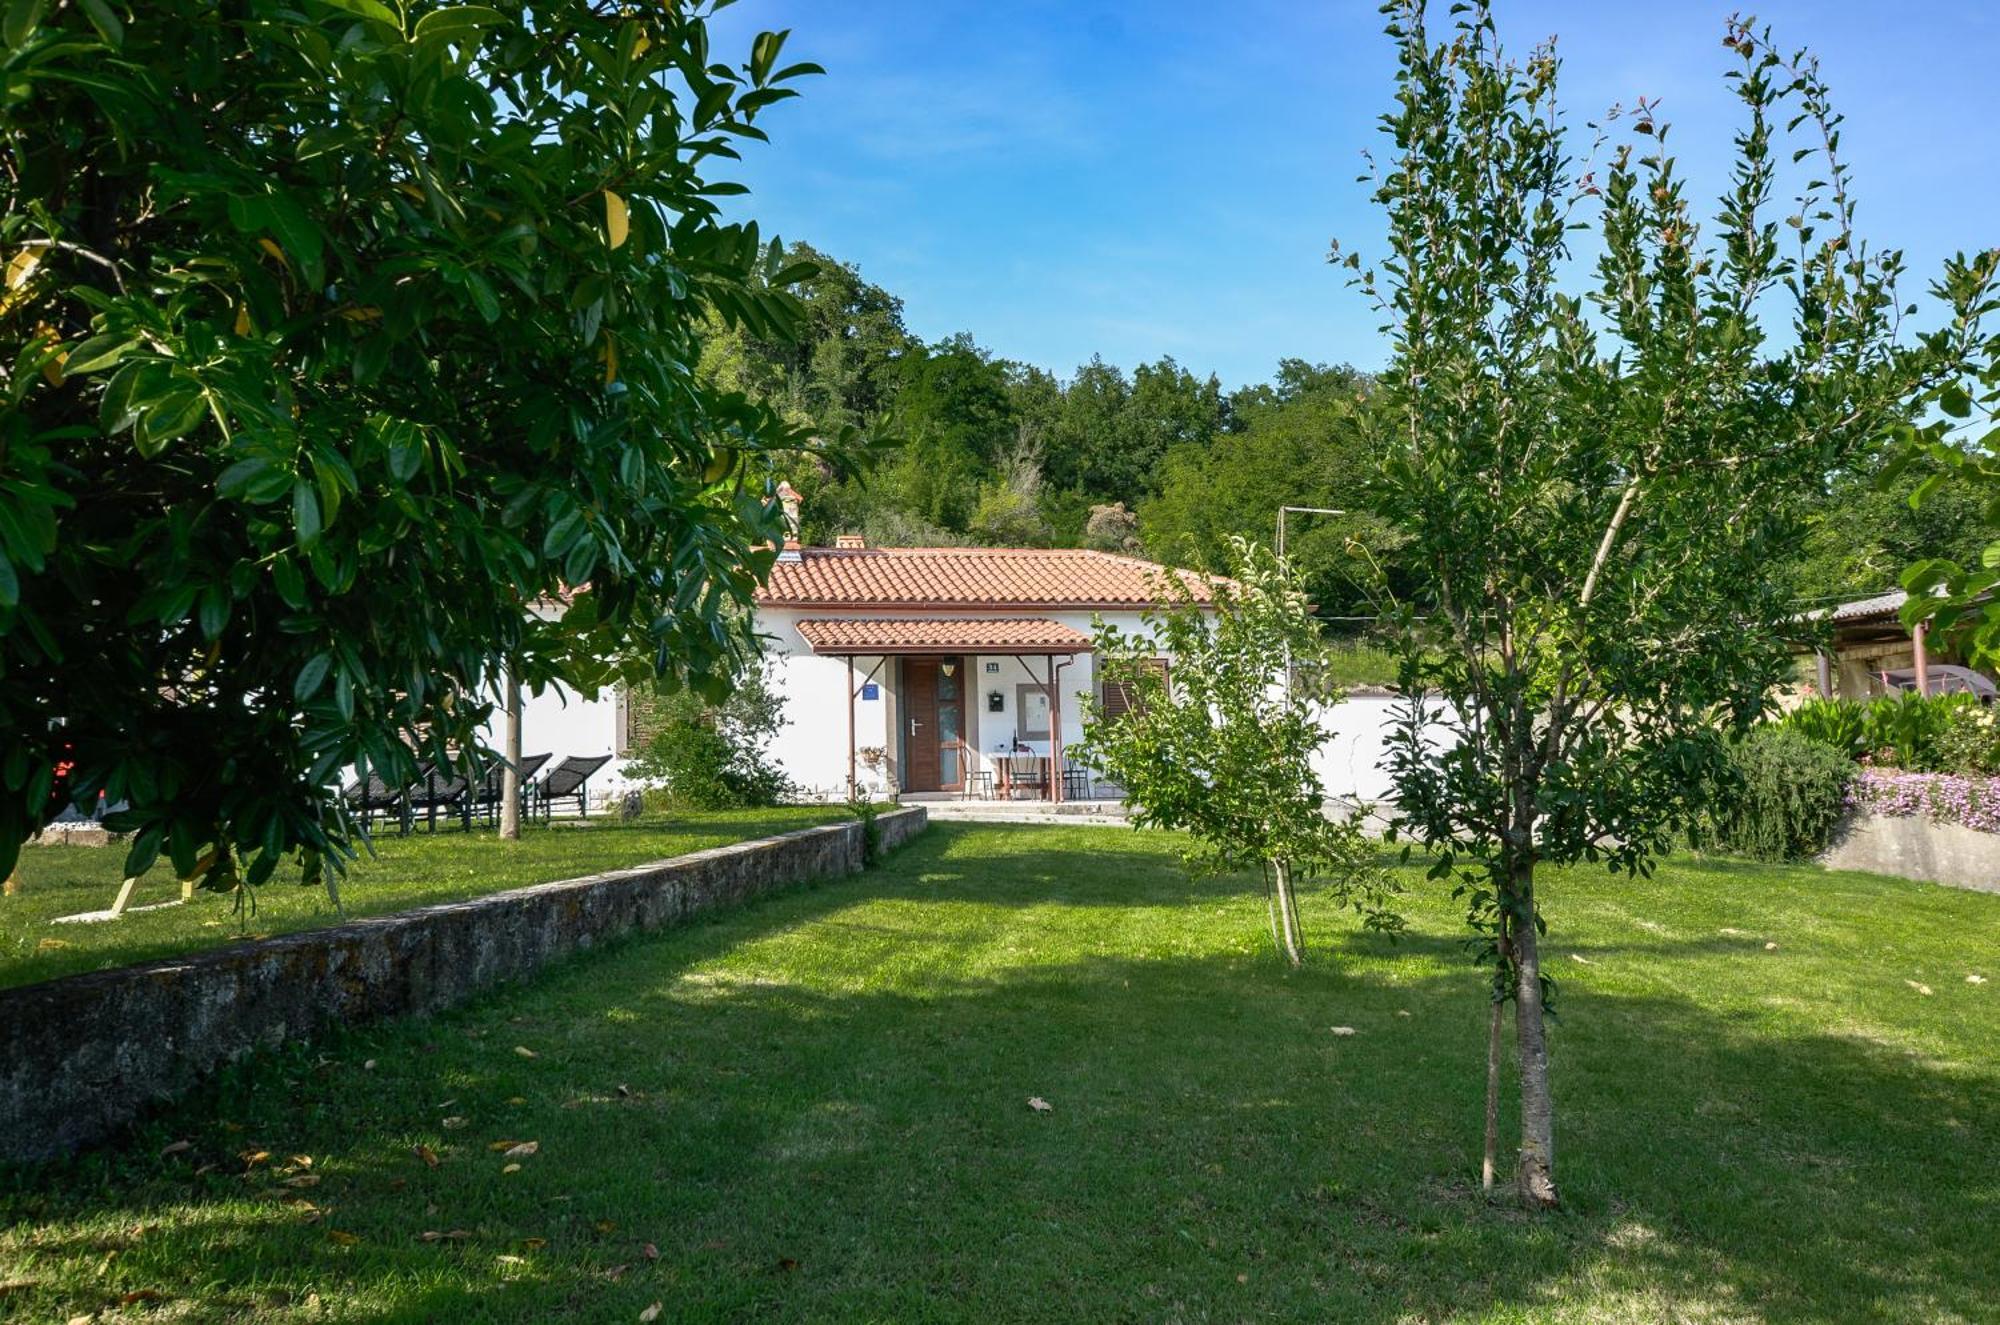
x=1069, y=177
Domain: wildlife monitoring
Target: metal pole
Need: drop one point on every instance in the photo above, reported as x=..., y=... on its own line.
x=853, y=786
x=1923, y=660
x=1055, y=737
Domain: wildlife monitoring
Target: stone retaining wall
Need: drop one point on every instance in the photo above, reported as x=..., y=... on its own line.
x=82, y=1056
x=1913, y=847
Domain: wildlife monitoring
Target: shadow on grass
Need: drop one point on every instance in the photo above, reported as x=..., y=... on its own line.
x=816, y=1108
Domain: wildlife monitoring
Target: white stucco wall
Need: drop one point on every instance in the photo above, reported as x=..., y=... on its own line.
x=560, y=724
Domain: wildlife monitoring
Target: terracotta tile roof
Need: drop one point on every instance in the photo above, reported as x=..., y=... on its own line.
x=1043, y=578
x=944, y=635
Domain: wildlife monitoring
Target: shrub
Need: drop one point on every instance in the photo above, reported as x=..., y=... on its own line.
x=1790, y=792
x=1840, y=723
x=716, y=756
x=1904, y=729
x=1947, y=798
x=1970, y=741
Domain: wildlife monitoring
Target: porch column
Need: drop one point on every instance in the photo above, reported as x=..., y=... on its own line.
x=1825, y=668
x=1055, y=735
x=853, y=787
x=1923, y=657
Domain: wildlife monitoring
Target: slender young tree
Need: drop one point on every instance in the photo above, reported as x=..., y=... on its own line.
x=1218, y=740
x=1599, y=486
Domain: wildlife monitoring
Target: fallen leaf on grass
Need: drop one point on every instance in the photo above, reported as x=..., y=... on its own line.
x=252, y=1158
x=175, y=1148
x=454, y=1235
x=1039, y=1105
x=340, y=1237
x=1770, y=947
x=534, y=1244
x=1733, y=933
x=81, y=1320
x=17, y=1285
x=650, y=1313
x=51, y=945
x=426, y=1154
x=786, y=1265
x=617, y=1272
x=1925, y=990
x=1581, y=960
x=517, y=1099
x=138, y=1295
x=505, y=1259
x=1975, y=979
x=607, y=1226
x=525, y=1149
x=303, y=1180
x=510, y=1168
x=368, y=1066
x=1342, y=1030
x=650, y=1252
x=525, y=1051
x=453, y=1124
x=624, y=1091
x=497, y=1146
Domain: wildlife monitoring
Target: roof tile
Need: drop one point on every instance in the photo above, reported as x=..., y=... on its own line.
x=1046, y=578
x=955, y=634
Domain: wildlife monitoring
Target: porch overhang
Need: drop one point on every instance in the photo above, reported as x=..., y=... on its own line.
x=877, y=637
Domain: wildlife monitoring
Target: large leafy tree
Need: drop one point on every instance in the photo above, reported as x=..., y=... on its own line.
x=1601, y=488
x=340, y=332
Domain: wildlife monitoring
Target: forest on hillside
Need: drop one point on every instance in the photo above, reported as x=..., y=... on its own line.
x=1160, y=461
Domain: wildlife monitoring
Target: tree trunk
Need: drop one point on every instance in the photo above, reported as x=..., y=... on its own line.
x=1495, y=1021
x=1536, y=1176
x=1288, y=912
x=510, y=776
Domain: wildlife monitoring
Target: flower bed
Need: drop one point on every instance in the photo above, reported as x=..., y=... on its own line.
x=1969, y=800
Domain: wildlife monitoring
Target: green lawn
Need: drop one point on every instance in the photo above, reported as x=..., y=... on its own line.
x=816, y=1109
x=405, y=872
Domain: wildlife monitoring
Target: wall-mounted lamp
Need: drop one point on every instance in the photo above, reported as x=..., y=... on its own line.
x=949, y=668
x=996, y=702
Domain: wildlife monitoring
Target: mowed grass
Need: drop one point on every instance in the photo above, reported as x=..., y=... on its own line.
x=403, y=872
x=817, y=1108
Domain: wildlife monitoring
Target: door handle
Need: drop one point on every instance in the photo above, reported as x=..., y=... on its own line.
x=914, y=724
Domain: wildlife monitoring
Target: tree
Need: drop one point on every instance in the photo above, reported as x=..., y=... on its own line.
x=1218, y=743
x=343, y=332
x=713, y=755
x=1600, y=491
x=1954, y=478
x=1304, y=440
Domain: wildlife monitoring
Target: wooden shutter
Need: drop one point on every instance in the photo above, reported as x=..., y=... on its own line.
x=1121, y=698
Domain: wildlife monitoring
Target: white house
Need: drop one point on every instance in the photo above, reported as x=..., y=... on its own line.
x=940, y=672
x=943, y=670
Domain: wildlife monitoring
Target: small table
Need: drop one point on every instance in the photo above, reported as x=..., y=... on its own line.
x=1020, y=770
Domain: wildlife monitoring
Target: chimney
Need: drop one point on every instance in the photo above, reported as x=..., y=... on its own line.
x=850, y=542
x=788, y=498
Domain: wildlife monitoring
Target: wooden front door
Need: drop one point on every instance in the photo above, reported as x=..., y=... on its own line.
x=934, y=724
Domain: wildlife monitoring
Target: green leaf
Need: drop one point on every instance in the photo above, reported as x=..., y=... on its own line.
x=98, y=352
x=370, y=9
x=312, y=676
x=10, y=584
x=305, y=514
x=1953, y=401
x=107, y=22
x=298, y=234
x=483, y=297
x=23, y=17
x=461, y=21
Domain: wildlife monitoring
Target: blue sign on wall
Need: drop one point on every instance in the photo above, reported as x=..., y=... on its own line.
x=871, y=691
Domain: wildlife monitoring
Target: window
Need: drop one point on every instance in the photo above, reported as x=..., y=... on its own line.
x=1121, y=698
x=1032, y=713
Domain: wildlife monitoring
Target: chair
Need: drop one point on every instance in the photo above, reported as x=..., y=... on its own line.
x=485, y=798
x=570, y=778
x=434, y=792
x=1031, y=773
x=381, y=798
x=978, y=783
x=1076, y=784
